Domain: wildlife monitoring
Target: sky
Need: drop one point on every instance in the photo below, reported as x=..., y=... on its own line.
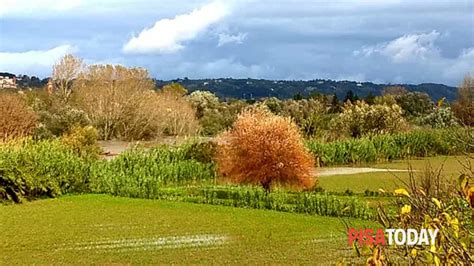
x=382, y=41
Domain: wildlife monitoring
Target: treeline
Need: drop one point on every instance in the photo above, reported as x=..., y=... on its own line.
x=123, y=103
x=249, y=89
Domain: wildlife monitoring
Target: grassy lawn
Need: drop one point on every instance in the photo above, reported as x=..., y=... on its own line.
x=99, y=229
x=373, y=181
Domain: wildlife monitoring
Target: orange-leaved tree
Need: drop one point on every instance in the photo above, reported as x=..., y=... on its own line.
x=265, y=149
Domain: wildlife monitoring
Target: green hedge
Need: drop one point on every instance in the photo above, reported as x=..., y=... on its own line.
x=418, y=143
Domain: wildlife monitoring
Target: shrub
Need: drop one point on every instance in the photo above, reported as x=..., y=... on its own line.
x=83, y=141
x=16, y=118
x=440, y=117
x=361, y=119
x=203, y=152
x=414, y=104
x=30, y=169
x=202, y=101
x=220, y=118
x=55, y=116
x=310, y=115
x=58, y=119
x=265, y=149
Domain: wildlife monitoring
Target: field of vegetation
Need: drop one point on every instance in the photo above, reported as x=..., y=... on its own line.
x=95, y=229
x=247, y=192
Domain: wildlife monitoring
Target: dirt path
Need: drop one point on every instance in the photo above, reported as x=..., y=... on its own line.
x=352, y=170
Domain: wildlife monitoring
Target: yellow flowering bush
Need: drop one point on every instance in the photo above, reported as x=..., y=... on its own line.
x=443, y=206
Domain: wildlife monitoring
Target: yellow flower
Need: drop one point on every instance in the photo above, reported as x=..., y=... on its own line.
x=401, y=191
x=406, y=209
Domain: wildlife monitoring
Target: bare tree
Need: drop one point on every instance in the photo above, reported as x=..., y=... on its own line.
x=111, y=96
x=65, y=71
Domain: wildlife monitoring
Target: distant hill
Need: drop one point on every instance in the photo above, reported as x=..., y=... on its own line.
x=259, y=88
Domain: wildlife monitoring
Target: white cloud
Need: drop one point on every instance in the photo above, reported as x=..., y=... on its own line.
x=418, y=51
x=406, y=48
x=168, y=35
x=11, y=8
x=34, y=61
x=225, y=38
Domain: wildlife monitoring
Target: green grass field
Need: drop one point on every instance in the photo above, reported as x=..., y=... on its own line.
x=99, y=229
x=358, y=183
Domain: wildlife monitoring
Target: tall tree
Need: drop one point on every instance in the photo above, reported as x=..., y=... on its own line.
x=65, y=71
x=351, y=96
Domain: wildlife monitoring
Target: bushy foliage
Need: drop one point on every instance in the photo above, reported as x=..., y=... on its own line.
x=220, y=118
x=55, y=116
x=203, y=152
x=142, y=173
x=419, y=143
x=203, y=101
x=265, y=149
x=30, y=169
x=175, y=115
x=174, y=88
x=440, y=117
x=311, y=115
x=83, y=141
x=16, y=118
x=414, y=104
x=58, y=121
x=387, y=99
x=464, y=106
x=362, y=119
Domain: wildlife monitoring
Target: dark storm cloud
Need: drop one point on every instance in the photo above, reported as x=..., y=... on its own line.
x=382, y=41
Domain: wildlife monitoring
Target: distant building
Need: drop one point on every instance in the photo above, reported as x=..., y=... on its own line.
x=7, y=81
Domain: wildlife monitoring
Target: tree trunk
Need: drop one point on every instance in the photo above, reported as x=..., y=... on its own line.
x=266, y=184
